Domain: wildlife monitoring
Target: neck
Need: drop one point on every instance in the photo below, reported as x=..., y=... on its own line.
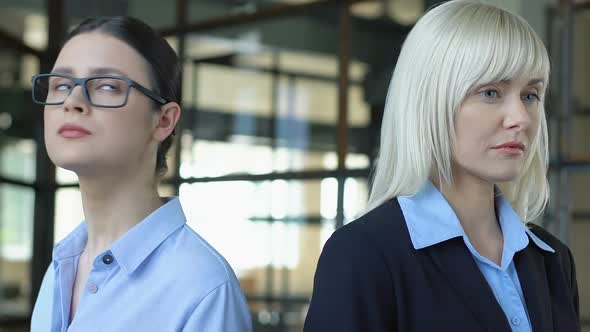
x=113, y=204
x=474, y=204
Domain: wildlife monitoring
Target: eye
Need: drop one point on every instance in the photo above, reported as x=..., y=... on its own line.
x=107, y=87
x=62, y=87
x=531, y=98
x=490, y=93
x=60, y=84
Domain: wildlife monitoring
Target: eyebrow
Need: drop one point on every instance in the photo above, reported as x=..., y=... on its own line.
x=536, y=81
x=93, y=71
x=531, y=82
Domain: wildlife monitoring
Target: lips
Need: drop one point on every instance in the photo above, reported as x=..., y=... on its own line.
x=511, y=149
x=511, y=145
x=73, y=131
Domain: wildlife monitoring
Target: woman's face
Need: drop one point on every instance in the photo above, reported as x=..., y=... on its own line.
x=101, y=139
x=495, y=128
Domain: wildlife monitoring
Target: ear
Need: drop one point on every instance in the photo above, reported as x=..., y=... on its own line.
x=166, y=121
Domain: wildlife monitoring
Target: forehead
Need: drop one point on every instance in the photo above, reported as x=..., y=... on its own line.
x=87, y=51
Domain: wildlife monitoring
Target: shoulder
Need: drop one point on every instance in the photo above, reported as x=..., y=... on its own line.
x=357, y=272
x=562, y=252
x=194, y=261
x=382, y=227
x=380, y=234
x=562, y=259
x=220, y=304
x=559, y=247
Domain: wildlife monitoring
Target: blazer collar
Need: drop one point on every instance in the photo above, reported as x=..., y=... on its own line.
x=530, y=264
x=458, y=266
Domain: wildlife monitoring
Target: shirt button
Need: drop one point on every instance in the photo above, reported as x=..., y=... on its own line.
x=107, y=259
x=515, y=321
x=92, y=288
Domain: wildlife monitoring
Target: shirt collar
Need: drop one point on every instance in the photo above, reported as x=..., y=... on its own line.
x=73, y=244
x=431, y=220
x=135, y=245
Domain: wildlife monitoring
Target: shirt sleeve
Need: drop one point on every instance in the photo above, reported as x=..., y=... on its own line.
x=224, y=309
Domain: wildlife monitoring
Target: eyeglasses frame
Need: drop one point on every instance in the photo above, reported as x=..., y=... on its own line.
x=82, y=83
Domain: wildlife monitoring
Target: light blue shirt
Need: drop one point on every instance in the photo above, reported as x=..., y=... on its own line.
x=431, y=220
x=159, y=276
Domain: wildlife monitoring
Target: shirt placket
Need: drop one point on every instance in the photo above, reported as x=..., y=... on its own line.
x=97, y=279
x=517, y=316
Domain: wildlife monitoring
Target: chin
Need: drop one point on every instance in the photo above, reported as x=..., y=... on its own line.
x=502, y=177
x=71, y=166
x=503, y=180
x=504, y=171
x=71, y=154
x=75, y=163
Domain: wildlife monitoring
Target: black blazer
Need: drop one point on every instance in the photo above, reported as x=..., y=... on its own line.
x=371, y=279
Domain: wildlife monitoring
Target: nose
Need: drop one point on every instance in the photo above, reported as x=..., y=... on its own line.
x=76, y=101
x=518, y=114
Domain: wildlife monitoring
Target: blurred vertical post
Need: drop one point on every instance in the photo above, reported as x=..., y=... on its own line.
x=343, y=87
x=565, y=116
x=181, y=19
x=45, y=187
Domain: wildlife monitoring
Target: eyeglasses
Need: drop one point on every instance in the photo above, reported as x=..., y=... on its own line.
x=101, y=91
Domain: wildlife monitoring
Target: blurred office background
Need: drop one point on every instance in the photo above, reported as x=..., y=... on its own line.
x=282, y=108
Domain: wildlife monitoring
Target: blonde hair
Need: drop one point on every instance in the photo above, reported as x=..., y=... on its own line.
x=453, y=49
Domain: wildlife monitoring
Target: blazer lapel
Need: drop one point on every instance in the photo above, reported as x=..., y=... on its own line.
x=458, y=266
x=530, y=266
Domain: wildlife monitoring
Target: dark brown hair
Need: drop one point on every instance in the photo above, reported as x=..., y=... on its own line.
x=165, y=72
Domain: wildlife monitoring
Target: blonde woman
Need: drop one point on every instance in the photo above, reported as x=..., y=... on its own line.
x=446, y=243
